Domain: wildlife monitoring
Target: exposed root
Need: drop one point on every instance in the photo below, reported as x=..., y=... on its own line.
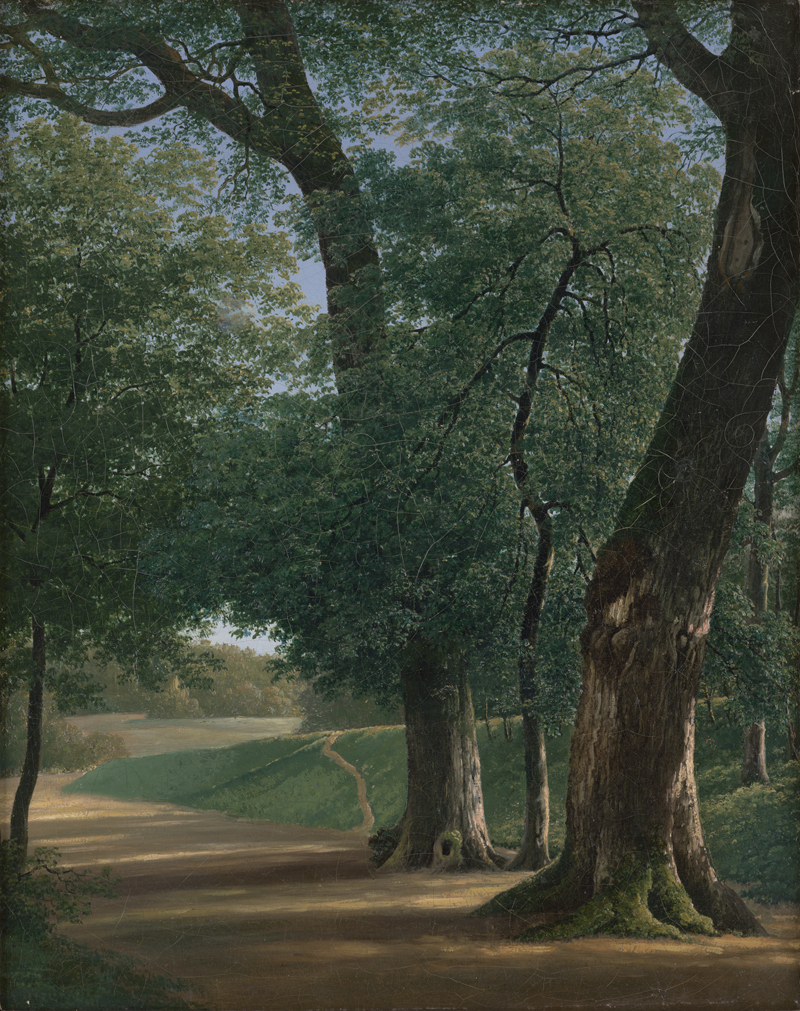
x=642, y=900
x=395, y=850
x=550, y=888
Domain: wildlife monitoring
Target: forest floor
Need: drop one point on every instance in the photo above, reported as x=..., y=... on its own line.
x=259, y=916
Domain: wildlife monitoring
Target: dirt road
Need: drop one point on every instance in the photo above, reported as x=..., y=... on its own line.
x=266, y=917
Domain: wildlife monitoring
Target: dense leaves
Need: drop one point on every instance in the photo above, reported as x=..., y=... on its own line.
x=120, y=348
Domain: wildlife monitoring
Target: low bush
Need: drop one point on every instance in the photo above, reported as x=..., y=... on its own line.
x=65, y=748
x=57, y=974
x=343, y=711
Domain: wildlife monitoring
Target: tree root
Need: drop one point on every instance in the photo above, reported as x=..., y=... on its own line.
x=550, y=888
x=392, y=849
x=643, y=899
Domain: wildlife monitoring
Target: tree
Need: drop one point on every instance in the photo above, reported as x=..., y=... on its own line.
x=559, y=275
x=115, y=357
x=252, y=90
x=261, y=100
x=754, y=759
x=634, y=858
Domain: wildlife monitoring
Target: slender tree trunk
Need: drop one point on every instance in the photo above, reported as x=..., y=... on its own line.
x=754, y=752
x=33, y=746
x=754, y=762
x=443, y=826
x=634, y=859
x=534, y=852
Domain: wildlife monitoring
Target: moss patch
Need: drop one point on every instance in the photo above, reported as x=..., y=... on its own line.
x=626, y=908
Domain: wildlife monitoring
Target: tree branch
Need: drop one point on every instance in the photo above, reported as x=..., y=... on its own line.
x=97, y=117
x=697, y=69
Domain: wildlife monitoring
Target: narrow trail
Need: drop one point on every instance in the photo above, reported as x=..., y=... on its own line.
x=363, y=803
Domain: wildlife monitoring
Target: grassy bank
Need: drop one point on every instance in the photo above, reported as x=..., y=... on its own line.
x=750, y=831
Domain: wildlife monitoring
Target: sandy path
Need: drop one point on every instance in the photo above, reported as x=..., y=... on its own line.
x=363, y=803
x=277, y=918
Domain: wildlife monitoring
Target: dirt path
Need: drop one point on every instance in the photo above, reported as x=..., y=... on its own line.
x=328, y=752
x=269, y=917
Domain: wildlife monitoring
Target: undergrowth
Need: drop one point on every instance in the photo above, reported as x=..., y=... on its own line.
x=40, y=969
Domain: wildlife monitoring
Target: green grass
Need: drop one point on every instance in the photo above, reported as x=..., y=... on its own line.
x=751, y=832
x=302, y=788
x=502, y=774
x=379, y=754
x=179, y=774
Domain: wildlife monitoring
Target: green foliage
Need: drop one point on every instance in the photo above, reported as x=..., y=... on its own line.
x=65, y=748
x=387, y=512
x=247, y=684
x=205, y=680
x=38, y=892
x=751, y=831
x=57, y=974
x=753, y=665
x=120, y=345
x=342, y=711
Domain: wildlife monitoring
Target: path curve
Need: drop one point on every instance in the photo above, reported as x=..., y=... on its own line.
x=363, y=803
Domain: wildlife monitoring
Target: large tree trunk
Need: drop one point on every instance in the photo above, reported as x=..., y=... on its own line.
x=313, y=154
x=33, y=746
x=443, y=826
x=634, y=860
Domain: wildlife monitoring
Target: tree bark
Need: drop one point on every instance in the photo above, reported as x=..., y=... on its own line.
x=33, y=745
x=534, y=853
x=634, y=860
x=444, y=826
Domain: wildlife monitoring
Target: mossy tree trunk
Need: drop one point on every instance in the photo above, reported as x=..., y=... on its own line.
x=444, y=825
x=33, y=744
x=634, y=859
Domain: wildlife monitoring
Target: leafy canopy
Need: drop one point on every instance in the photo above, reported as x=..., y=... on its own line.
x=132, y=315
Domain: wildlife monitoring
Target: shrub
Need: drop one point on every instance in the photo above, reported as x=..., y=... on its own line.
x=41, y=969
x=343, y=711
x=38, y=892
x=65, y=747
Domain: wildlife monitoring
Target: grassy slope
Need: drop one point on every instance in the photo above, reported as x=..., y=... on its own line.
x=751, y=831
x=178, y=774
